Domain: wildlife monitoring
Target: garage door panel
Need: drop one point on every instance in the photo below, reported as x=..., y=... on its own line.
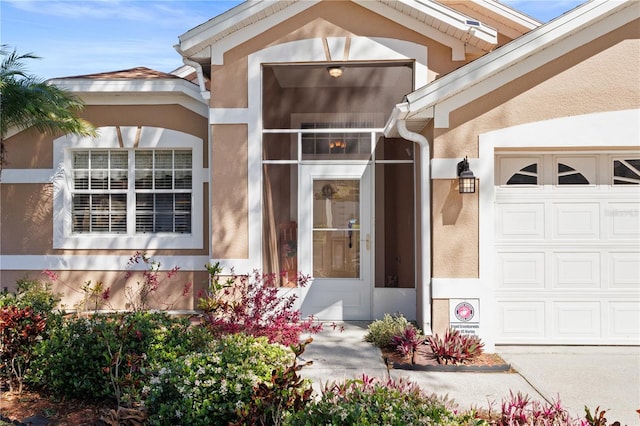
x=521, y=270
x=624, y=320
x=576, y=221
x=521, y=320
x=520, y=221
x=576, y=320
x=624, y=271
x=567, y=255
x=623, y=220
x=576, y=270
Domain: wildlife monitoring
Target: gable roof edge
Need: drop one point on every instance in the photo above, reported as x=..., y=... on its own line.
x=486, y=67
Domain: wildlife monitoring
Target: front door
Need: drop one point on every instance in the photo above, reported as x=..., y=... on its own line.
x=335, y=240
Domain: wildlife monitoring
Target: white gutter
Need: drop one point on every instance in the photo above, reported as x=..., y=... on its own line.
x=424, y=296
x=206, y=95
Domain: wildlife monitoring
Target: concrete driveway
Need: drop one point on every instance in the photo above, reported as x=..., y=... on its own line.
x=604, y=376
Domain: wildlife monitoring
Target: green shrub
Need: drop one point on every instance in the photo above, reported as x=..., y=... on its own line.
x=212, y=387
x=34, y=293
x=381, y=332
x=368, y=401
x=109, y=357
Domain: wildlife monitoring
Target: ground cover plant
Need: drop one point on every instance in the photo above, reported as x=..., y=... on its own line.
x=369, y=401
x=455, y=348
x=214, y=386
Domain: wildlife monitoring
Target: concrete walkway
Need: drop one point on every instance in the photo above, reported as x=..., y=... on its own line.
x=605, y=376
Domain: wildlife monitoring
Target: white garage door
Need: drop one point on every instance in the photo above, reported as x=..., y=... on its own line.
x=568, y=248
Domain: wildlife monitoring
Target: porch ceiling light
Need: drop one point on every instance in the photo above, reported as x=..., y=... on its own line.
x=335, y=71
x=466, y=179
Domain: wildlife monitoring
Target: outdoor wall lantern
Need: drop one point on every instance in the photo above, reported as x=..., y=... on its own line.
x=335, y=72
x=466, y=179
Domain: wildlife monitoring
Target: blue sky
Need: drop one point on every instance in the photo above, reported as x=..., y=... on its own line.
x=81, y=37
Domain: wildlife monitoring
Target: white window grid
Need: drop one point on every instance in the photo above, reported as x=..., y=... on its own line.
x=110, y=195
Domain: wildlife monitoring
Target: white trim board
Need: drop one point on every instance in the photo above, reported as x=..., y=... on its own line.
x=94, y=262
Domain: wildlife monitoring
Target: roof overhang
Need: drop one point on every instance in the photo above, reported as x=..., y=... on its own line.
x=506, y=20
x=207, y=43
x=437, y=99
x=136, y=92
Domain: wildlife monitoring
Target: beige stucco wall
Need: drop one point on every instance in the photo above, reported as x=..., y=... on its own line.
x=455, y=231
x=230, y=209
x=169, y=295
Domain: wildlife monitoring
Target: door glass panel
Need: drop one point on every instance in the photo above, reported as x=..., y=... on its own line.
x=336, y=228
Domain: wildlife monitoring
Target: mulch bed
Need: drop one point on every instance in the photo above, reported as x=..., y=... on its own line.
x=424, y=360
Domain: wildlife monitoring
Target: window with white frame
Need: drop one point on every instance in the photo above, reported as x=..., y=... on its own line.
x=163, y=191
x=129, y=188
x=160, y=193
x=626, y=171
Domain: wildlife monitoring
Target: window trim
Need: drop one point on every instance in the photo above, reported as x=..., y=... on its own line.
x=129, y=138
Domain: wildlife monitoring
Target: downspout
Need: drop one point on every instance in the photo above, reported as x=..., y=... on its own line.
x=425, y=221
x=206, y=95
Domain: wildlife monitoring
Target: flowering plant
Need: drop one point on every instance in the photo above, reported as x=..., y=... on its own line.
x=211, y=387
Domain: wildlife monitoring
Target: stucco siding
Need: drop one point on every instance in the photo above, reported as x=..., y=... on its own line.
x=229, y=236
x=27, y=218
x=455, y=231
x=122, y=290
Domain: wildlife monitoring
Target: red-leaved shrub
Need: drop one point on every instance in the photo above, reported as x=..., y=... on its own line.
x=251, y=304
x=455, y=348
x=20, y=329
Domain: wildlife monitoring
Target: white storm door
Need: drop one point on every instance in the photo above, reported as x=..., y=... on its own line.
x=335, y=240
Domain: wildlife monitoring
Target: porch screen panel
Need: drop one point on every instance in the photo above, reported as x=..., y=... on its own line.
x=280, y=212
x=395, y=227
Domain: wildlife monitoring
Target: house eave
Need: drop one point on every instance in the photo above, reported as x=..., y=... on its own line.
x=136, y=91
x=209, y=41
x=517, y=52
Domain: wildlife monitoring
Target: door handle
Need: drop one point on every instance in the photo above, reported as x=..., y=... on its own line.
x=368, y=242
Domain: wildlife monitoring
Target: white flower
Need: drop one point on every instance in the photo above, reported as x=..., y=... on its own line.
x=178, y=413
x=155, y=380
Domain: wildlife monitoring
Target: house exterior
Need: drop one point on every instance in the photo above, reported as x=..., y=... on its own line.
x=325, y=137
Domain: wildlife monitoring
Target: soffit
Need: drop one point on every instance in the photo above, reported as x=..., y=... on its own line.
x=506, y=20
x=251, y=18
